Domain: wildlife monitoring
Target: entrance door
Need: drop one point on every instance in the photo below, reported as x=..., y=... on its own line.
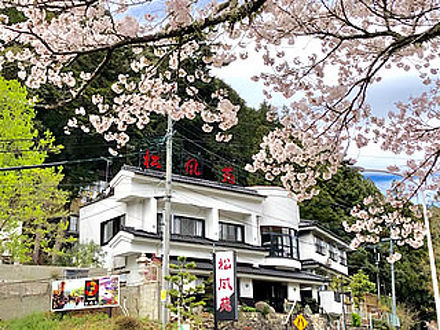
x=273, y=293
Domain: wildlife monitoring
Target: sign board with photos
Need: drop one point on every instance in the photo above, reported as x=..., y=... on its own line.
x=225, y=288
x=85, y=293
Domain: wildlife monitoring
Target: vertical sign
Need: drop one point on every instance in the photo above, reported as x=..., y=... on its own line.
x=225, y=288
x=91, y=293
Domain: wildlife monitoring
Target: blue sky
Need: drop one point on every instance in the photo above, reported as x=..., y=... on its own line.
x=397, y=85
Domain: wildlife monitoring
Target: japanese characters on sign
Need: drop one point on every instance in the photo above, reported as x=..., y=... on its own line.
x=228, y=176
x=226, y=306
x=85, y=293
x=192, y=167
x=151, y=160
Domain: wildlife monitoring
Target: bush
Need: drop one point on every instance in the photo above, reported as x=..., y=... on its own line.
x=248, y=309
x=381, y=324
x=127, y=323
x=356, y=320
x=312, y=303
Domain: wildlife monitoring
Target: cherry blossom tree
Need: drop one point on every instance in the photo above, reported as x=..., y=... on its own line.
x=357, y=42
x=379, y=217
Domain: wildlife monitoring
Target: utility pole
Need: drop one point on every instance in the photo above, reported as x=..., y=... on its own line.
x=395, y=320
x=344, y=326
x=428, y=238
x=377, y=256
x=431, y=256
x=166, y=221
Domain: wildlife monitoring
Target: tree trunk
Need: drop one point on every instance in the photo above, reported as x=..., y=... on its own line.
x=36, y=253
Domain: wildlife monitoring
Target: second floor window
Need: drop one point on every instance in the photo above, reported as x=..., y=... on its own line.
x=231, y=232
x=110, y=228
x=320, y=246
x=73, y=223
x=333, y=253
x=343, y=259
x=280, y=242
x=186, y=226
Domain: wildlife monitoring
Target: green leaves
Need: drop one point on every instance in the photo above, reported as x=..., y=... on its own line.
x=29, y=199
x=184, y=291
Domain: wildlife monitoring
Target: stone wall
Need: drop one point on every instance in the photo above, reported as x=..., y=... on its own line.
x=142, y=300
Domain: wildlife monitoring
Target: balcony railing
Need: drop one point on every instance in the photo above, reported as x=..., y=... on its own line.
x=280, y=245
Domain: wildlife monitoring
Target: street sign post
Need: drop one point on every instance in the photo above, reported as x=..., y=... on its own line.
x=300, y=322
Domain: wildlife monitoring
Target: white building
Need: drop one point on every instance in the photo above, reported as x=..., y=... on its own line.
x=260, y=223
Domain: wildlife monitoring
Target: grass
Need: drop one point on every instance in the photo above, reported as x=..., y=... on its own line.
x=95, y=321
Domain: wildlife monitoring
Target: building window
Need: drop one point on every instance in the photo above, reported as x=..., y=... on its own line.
x=280, y=241
x=343, y=259
x=333, y=253
x=320, y=246
x=73, y=223
x=110, y=228
x=185, y=226
x=231, y=232
x=159, y=223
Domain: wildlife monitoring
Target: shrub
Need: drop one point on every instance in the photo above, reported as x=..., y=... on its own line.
x=355, y=320
x=248, y=309
x=381, y=324
x=127, y=323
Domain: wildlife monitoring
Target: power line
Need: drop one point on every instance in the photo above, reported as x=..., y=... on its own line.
x=60, y=163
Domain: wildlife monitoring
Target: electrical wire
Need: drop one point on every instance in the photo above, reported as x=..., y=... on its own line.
x=64, y=162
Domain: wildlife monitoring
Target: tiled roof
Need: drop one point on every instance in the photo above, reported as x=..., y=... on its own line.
x=306, y=225
x=243, y=269
x=264, y=271
x=196, y=240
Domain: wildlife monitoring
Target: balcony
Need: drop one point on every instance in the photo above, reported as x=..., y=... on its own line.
x=282, y=246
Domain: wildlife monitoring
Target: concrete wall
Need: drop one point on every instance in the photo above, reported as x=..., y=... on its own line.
x=293, y=292
x=26, y=289
x=142, y=300
x=20, y=299
x=278, y=208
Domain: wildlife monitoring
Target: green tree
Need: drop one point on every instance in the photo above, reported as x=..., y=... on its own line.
x=359, y=285
x=189, y=141
x=30, y=201
x=83, y=255
x=184, y=290
x=336, y=199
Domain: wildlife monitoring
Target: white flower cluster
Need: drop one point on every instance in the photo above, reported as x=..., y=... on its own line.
x=378, y=218
x=298, y=158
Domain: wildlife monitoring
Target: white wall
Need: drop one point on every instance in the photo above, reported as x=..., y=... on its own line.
x=246, y=287
x=307, y=250
x=149, y=215
x=293, y=292
x=278, y=208
x=91, y=216
x=328, y=302
x=211, y=224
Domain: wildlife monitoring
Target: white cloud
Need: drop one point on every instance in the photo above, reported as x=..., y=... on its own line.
x=396, y=85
